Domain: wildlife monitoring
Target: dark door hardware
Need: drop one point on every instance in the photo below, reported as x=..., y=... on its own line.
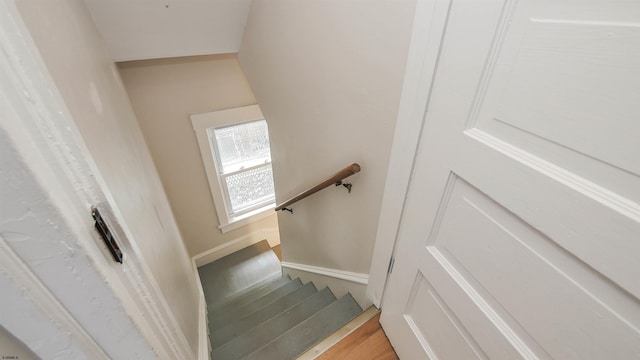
x=107, y=236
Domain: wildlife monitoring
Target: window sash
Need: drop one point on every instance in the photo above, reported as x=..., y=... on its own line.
x=217, y=151
x=259, y=203
x=224, y=176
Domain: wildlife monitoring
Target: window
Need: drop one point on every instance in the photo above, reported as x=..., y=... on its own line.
x=234, y=145
x=244, y=165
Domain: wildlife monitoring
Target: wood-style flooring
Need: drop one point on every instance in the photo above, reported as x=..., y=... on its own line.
x=368, y=342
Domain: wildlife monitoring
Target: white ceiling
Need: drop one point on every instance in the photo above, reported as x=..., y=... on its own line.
x=149, y=29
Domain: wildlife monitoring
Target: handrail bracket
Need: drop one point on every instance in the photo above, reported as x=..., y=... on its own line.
x=345, y=184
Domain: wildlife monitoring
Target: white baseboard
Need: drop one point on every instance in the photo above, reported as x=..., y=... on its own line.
x=204, y=343
x=340, y=282
x=211, y=255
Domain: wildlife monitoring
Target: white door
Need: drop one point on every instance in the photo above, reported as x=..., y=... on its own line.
x=520, y=236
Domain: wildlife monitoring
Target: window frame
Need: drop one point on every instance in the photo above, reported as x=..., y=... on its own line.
x=216, y=119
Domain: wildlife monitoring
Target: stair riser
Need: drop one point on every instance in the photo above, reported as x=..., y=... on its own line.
x=271, y=329
x=249, y=296
x=254, y=312
x=308, y=333
x=227, y=276
x=235, y=313
x=221, y=336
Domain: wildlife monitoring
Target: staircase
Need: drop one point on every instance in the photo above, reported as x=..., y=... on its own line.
x=256, y=313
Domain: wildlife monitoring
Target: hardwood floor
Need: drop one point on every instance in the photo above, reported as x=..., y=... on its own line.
x=367, y=342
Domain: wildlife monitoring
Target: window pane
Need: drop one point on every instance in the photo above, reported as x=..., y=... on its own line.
x=249, y=188
x=241, y=146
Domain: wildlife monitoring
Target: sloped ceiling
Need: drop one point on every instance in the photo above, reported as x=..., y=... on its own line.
x=150, y=29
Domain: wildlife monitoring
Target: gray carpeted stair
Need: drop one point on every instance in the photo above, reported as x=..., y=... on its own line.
x=259, y=314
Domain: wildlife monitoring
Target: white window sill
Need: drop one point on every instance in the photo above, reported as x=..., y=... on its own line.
x=248, y=218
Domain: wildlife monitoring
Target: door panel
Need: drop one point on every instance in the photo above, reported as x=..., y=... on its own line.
x=449, y=339
x=556, y=78
x=521, y=229
x=499, y=264
x=563, y=86
x=593, y=223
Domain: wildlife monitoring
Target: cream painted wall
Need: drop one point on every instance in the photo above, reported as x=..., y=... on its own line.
x=90, y=85
x=328, y=74
x=164, y=93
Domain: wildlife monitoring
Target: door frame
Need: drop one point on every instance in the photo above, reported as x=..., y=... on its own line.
x=41, y=142
x=422, y=61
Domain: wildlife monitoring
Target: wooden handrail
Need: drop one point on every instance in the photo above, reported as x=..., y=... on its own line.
x=342, y=174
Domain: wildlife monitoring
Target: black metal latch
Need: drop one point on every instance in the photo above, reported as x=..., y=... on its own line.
x=107, y=236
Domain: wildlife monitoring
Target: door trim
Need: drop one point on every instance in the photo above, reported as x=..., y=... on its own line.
x=43, y=309
x=428, y=32
x=54, y=154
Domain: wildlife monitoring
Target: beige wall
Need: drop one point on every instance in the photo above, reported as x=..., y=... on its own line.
x=328, y=74
x=164, y=93
x=90, y=85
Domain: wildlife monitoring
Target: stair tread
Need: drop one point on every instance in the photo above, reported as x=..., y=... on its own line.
x=261, y=315
x=255, y=292
x=309, y=332
x=248, y=295
x=262, y=334
x=221, y=318
x=236, y=272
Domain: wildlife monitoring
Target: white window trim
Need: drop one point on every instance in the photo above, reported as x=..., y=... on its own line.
x=200, y=123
